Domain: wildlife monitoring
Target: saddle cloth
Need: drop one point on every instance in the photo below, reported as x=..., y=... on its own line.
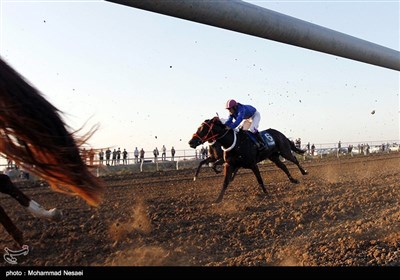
x=269, y=142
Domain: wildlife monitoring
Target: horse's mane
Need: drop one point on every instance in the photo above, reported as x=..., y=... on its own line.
x=217, y=120
x=33, y=134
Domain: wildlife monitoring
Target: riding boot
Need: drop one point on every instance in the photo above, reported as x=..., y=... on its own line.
x=260, y=144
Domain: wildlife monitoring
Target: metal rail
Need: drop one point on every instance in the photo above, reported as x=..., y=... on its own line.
x=253, y=20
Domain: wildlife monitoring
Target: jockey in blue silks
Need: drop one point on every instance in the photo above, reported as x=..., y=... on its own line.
x=246, y=114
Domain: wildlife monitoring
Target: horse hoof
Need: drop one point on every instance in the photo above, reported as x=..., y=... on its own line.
x=55, y=214
x=194, y=179
x=294, y=181
x=305, y=172
x=263, y=195
x=218, y=201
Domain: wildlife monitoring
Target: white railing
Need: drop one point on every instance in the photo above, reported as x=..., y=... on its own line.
x=321, y=149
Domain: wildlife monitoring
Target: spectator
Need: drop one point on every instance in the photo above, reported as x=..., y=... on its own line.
x=156, y=153
x=136, y=154
x=172, y=153
x=350, y=150
x=101, y=157
x=164, y=153
x=141, y=155
x=114, y=157
x=124, y=157
x=312, y=149
x=298, y=143
x=108, y=156
x=118, y=155
x=91, y=156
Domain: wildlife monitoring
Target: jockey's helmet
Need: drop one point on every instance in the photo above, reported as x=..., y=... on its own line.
x=230, y=103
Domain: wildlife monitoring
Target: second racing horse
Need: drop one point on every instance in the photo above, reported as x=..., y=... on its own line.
x=240, y=150
x=33, y=134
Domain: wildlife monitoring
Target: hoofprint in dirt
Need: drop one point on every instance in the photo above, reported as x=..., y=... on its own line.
x=345, y=212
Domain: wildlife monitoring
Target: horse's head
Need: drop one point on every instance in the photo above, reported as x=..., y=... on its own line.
x=209, y=130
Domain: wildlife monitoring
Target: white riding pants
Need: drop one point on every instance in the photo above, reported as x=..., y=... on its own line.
x=251, y=124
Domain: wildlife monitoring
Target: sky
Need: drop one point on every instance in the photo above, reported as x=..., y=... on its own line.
x=150, y=80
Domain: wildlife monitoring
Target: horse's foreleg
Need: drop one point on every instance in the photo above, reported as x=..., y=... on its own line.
x=228, y=171
x=256, y=172
x=37, y=210
x=7, y=187
x=282, y=166
x=216, y=163
x=10, y=227
x=205, y=161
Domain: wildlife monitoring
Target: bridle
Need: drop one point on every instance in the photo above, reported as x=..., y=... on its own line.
x=213, y=137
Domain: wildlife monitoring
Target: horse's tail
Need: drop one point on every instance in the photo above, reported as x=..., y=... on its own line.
x=33, y=135
x=295, y=149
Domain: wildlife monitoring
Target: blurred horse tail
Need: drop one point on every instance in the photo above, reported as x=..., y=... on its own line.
x=33, y=134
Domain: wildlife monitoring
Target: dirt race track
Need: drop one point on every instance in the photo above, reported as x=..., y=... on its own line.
x=345, y=212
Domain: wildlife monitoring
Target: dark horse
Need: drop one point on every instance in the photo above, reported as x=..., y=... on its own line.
x=33, y=135
x=241, y=151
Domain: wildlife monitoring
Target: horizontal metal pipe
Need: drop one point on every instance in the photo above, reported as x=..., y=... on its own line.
x=250, y=19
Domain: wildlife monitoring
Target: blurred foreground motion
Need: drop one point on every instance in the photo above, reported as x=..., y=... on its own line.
x=33, y=135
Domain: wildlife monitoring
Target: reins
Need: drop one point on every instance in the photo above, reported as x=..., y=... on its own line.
x=233, y=144
x=214, y=137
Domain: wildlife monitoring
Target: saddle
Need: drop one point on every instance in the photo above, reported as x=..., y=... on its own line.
x=263, y=140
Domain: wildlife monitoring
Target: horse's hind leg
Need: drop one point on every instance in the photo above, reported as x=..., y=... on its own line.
x=7, y=187
x=287, y=154
x=293, y=159
x=281, y=165
x=10, y=227
x=256, y=172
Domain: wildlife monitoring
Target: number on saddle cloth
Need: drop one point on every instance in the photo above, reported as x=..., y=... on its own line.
x=267, y=139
